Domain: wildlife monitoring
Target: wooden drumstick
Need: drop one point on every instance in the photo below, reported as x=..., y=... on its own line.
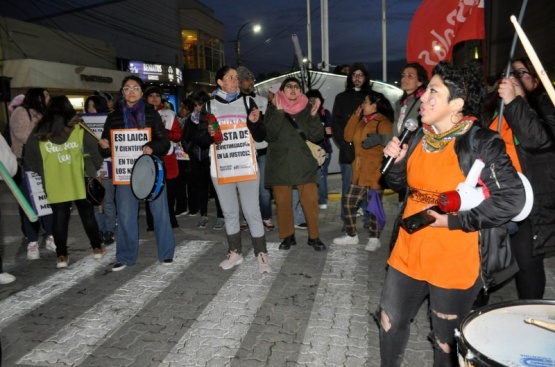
x=29, y=212
x=88, y=129
x=543, y=324
x=534, y=59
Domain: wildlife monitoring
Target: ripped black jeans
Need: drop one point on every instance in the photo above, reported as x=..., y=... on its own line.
x=401, y=299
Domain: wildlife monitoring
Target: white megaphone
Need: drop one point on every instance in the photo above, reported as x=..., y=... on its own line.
x=468, y=195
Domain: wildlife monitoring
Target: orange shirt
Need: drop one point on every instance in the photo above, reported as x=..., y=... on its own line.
x=442, y=257
x=507, y=135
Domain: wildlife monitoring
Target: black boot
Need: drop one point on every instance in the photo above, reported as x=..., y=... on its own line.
x=287, y=242
x=316, y=244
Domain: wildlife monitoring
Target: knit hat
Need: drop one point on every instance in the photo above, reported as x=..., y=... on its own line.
x=16, y=102
x=152, y=89
x=274, y=88
x=244, y=73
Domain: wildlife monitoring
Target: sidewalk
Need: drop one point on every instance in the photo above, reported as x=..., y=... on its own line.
x=314, y=309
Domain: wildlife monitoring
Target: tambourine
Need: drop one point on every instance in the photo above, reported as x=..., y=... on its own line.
x=147, y=177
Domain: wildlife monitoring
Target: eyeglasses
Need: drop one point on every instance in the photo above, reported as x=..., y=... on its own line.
x=358, y=75
x=520, y=73
x=136, y=88
x=293, y=86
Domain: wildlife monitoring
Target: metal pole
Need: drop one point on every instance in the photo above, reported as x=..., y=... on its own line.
x=510, y=63
x=238, y=43
x=325, y=34
x=384, y=43
x=308, y=31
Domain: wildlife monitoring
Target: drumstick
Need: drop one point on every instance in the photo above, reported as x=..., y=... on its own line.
x=535, y=60
x=543, y=324
x=18, y=194
x=88, y=129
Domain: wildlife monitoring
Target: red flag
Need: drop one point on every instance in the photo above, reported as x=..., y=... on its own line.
x=438, y=25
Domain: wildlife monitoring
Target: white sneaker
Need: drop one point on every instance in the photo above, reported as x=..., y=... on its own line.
x=373, y=244
x=50, y=244
x=33, y=251
x=323, y=206
x=232, y=259
x=6, y=278
x=346, y=240
x=263, y=266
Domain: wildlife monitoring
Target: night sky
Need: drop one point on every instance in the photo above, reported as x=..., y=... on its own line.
x=355, y=32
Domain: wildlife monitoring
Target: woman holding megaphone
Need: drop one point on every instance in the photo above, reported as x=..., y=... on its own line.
x=459, y=253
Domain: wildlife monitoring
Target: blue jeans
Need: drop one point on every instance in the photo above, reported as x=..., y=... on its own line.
x=107, y=220
x=346, y=178
x=323, y=182
x=264, y=194
x=298, y=214
x=127, y=245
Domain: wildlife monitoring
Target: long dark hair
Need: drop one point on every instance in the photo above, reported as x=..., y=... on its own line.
x=58, y=119
x=222, y=72
x=421, y=75
x=382, y=104
x=100, y=104
x=35, y=100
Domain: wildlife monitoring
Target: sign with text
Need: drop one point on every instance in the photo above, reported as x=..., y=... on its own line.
x=39, y=201
x=95, y=122
x=127, y=146
x=235, y=157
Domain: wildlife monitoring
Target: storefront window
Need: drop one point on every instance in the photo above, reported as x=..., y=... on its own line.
x=202, y=51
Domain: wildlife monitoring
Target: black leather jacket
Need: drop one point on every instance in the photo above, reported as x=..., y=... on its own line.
x=534, y=126
x=505, y=202
x=160, y=143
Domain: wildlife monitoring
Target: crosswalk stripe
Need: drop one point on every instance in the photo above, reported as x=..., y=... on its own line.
x=242, y=295
x=26, y=301
x=83, y=335
x=342, y=303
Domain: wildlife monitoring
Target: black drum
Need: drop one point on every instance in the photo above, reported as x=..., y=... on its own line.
x=147, y=177
x=500, y=335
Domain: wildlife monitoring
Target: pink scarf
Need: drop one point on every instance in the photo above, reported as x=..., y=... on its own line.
x=292, y=107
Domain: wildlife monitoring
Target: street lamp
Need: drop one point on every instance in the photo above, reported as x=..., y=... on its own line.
x=256, y=28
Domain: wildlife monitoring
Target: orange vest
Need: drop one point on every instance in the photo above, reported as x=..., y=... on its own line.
x=507, y=136
x=440, y=256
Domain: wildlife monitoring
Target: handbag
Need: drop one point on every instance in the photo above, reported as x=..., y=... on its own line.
x=375, y=207
x=95, y=190
x=317, y=151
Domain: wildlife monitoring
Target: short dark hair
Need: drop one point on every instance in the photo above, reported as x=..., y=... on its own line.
x=288, y=80
x=100, y=103
x=134, y=78
x=222, y=72
x=315, y=93
x=463, y=82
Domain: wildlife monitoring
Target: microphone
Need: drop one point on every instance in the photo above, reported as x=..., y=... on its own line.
x=410, y=126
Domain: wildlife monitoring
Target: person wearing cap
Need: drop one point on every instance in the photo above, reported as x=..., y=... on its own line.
x=246, y=86
x=345, y=104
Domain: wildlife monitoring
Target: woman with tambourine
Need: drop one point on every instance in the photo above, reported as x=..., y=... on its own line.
x=133, y=113
x=231, y=122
